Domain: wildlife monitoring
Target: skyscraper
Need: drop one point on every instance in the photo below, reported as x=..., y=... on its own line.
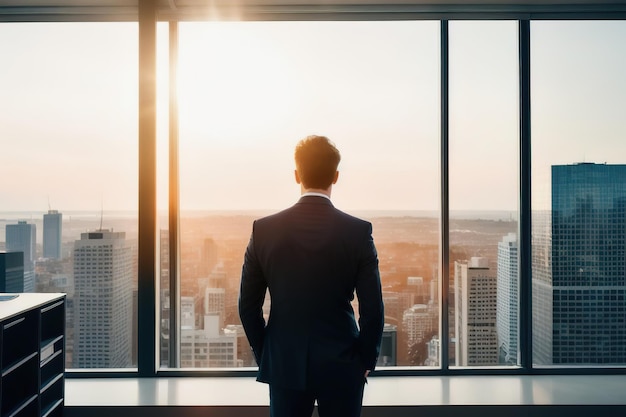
x=475, y=322
x=542, y=286
x=102, y=300
x=419, y=325
x=587, y=275
x=507, y=300
x=164, y=289
x=22, y=237
x=52, y=229
x=11, y=271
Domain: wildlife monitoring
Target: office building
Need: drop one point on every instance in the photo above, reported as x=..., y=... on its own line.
x=245, y=356
x=583, y=279
x=215, y=303
x=475, y=315
x=417, y=322
x=11, y=271
x=164, y=292
x=388, y=347
x=207, y=345
x=507, y=300
x=22, y=237
x=103, y=300
x=52, y=230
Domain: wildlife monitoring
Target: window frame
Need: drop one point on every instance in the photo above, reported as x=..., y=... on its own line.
x=148, y=13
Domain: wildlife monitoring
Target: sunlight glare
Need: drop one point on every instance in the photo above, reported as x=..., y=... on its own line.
x=239, y=80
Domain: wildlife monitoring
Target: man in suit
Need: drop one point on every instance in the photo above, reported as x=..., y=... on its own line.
x=312, y=258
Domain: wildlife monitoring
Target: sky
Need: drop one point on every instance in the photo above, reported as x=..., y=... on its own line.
x=248, y=91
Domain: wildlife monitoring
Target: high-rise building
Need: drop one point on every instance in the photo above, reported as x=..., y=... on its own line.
x=434, y=348
x=207, y=346
x=585, y=282
x=214, y=303
x=102, y=300
x=475, y=322
x=11, y=271
x=417, y=323
x=542, y=286
x=396, y=303
x=52, y=229
x=22, y=237
x=388, y=346
x=507, y=300
x=164, y=291
x=245, y=356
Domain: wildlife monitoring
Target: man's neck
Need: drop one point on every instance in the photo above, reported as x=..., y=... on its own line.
x=326, y=191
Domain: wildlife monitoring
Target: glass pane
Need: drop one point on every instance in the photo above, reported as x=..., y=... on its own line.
x=68, y=134
x=484, y=143
x=579, y=192
x=248, y=93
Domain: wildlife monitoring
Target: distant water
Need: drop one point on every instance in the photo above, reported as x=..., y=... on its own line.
x=38, y=215
x=458, y=214
x=35, y=216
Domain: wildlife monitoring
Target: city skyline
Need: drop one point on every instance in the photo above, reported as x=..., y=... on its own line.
x=210, y=262
x=214, y=268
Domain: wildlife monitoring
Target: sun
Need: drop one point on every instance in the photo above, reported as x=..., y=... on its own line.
x=231, y=78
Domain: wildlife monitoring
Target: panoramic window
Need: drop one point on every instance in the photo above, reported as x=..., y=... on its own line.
x=483, y=170
x=248, y=91
x=579, y=193
x=68, y=133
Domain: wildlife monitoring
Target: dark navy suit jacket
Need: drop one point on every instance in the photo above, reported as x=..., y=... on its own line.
x=312, y=258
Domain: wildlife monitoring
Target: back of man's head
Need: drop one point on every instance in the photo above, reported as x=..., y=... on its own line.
x=317, y=160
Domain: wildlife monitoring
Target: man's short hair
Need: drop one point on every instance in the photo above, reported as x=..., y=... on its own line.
x=317, y=160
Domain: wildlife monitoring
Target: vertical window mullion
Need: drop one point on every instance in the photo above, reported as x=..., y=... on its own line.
x=146, y=296
x=525, y=250
x=444, y=209
x=174, y=202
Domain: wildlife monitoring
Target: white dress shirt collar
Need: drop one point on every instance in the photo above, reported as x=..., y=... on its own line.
x=313, y=194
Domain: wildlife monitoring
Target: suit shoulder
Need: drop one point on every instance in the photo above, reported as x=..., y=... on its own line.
x=272, y=218
x=356, y=221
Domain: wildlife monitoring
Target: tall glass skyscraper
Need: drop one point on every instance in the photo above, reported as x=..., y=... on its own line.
x=507, y=300
x=52, y=226
x=11, y=271
x=22, y=237
x=587, y=266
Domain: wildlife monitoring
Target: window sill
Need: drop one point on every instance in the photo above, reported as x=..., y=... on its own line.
x=384, y=396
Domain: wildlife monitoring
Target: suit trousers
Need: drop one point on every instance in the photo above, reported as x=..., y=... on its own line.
x=332, y=400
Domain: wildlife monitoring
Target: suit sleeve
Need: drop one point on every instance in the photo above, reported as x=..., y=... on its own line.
x=371, y=309
x=251, y=298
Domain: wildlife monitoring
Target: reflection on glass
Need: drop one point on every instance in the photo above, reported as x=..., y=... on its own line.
x=579, y=193
x=68, y=201
x=483, y=193
x=248, y=92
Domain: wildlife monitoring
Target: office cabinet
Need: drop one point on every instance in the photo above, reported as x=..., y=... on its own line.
x=32, y=355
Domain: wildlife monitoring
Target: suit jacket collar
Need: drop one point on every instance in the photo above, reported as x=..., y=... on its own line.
x=314, y=199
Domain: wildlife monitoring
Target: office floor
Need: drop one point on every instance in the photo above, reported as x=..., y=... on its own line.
x=381, y=391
